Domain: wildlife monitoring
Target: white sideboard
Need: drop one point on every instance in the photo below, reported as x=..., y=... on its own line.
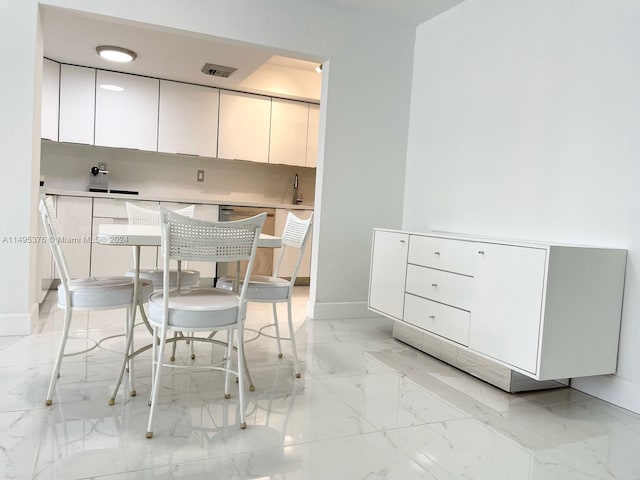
x=505, y=311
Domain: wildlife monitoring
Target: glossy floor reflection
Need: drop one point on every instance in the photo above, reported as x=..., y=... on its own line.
x=366, y=407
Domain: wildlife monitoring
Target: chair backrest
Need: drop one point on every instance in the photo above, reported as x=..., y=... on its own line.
x=139, y=215
x=295, y=235
x=187, y=239
x=55, y=239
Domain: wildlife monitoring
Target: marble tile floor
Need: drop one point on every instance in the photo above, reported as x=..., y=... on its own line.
x=366, y=407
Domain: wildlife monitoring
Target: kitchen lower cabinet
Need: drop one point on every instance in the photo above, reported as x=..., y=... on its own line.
x=537, y=311
x=388, y=273
x=109, y=260
x=46, y=269
x=288, y=262
x=207, y=269
x=74, y=218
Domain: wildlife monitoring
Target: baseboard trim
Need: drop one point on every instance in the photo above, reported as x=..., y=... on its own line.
x=18, y=323
x=611, y=388
x=338, y=310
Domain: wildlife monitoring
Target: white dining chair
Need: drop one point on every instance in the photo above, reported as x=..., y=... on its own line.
x=138, y=215
x=202, y=309
x=90, y=293
x=275, y=289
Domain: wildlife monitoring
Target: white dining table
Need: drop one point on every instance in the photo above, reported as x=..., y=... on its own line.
x=137, y=236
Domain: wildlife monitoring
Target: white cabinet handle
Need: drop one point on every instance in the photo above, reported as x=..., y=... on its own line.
x=436, y=253
x=432, y=317
x=402, y=241
x=435, y=285
x=481, y=252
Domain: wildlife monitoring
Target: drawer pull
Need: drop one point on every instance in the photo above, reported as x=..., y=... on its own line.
x=402, y=241
x=434, y=285
x=436, y=253
x=432, y=317
x=481, y=252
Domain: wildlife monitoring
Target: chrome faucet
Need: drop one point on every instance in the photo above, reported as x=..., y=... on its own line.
x=297, y=199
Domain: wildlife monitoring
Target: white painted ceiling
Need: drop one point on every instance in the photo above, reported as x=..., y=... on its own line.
x=71, y=37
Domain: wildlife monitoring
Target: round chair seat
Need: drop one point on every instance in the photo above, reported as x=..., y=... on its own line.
x=196, y=308
x=188, y=278
x=102, y=292
x=261, y=287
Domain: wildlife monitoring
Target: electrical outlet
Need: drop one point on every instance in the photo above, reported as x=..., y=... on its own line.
x=200, y=176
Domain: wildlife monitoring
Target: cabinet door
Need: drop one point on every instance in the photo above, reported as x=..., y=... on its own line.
x=50, y=99
x=207, y=269
x=313, y=130
x=289, y=122
x=290, y=257
x=188, y=119
x=388, y=272
x=507, y=304
x=107, y=260
x=243, y=132
x=74, y=218
x=126, y=111
x=45, y=273
x=77, y=104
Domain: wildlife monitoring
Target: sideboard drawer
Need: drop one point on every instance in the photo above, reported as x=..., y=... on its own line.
x=448, y=322
x=456, y=256
x=443, y=287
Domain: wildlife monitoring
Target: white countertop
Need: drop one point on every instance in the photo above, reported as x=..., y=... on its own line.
x=201, y=199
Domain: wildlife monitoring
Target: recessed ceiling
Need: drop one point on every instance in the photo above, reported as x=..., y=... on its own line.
x=72, y=38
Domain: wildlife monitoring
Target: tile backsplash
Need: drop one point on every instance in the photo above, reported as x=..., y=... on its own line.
x=66, y=166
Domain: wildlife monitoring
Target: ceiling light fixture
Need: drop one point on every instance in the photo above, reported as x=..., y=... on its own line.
x=116, y=54
x=319, y=68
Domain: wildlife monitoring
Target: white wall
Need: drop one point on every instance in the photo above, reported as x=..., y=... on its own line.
x=364, y=115
x=21, y=49
x=524, y=124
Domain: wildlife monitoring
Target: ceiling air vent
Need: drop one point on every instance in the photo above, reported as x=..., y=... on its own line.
x=217, y=70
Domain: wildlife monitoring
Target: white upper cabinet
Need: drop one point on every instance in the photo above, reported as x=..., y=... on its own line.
x=77, y=104
x=312, y=135
x=126, y=111
x=289, y=121
x=188, y=119
x=50, y=99
x=243, y=132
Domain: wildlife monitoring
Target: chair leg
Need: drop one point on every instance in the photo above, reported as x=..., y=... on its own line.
x=241, y=374
x=126, y=357
x=154, y=356
x=292, y=336
x=275, y=322
x=156, y=381
x=173, y=347
x=56, y=369
x=227, y=365
x=132, y=326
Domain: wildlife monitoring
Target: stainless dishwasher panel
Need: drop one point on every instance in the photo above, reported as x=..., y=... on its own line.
x=264, y=256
